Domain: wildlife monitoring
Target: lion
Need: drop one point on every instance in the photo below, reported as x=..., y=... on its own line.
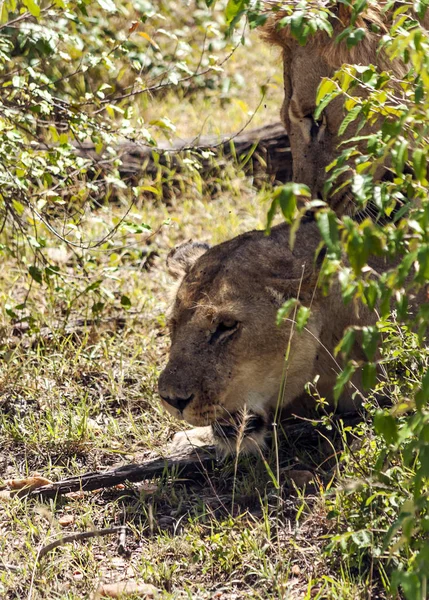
x=315, y=144
x=227, y=372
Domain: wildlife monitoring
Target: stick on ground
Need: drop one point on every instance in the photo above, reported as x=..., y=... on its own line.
x=190, y=462
x=83, y=535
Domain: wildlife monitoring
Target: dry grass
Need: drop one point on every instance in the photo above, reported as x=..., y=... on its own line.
x=76, y=397
x=256, y=98
x=80, y=401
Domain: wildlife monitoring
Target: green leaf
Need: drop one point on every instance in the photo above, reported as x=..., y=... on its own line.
x=358, y=7
x=422, y=396
x=346, y=343
x=287, y=203
x=324, y=103
x=399, y=156
x=33, y=7
x=350, y=117
x=371, y=293
x=410, y=584
x=12, y=314
x=360, y=185
x=285, y=196
x=107, y=5
x=420, y=7
x=18, y=206
x=385, y=424
x=125, y=302
x=36, y=274
x=302, y=317
x=419, y=92
x=324, y=25
x=328, y=227
x=97, y=307
x=370, y=337
x=369, y=375
x=271, y=214
x=342, y=379
x=296, y=23
x=234, y=8
x=325, y=89
x=285, y=310
x=419, y=165
x=93, y=286
x=355, y=36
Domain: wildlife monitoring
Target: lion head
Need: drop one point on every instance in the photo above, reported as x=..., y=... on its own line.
x=315, y=144
x=227, y=365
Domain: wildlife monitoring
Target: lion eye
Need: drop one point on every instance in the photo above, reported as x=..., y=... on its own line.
x=224, y=329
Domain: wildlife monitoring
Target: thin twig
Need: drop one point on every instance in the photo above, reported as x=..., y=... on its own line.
x=189, y=461
x=13, y=22
x=163, y=85
x=8, y=567
x=84, y=535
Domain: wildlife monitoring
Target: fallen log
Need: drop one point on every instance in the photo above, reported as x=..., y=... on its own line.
x=268, y=145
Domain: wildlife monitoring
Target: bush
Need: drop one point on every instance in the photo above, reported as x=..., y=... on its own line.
x=386, y=512
x=73, y=72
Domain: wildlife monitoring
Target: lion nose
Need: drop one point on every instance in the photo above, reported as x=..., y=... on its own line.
x=179, y=403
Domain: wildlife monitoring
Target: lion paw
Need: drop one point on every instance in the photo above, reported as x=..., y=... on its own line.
x=193, y=438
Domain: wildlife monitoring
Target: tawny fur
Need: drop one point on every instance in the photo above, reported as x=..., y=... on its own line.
x=335, y=54
x=314, y=146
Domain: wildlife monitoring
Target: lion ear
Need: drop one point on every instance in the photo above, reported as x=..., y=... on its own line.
x=181, y=258
x=288, y=284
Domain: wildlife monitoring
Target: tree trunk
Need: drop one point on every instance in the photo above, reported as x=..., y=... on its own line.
x=264, y=152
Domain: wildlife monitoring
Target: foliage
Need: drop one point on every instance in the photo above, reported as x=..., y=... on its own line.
x=73, y=73
x=381, y=508
x=396, y=229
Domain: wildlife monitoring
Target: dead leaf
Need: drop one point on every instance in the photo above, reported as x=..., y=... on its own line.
x=58, y=255
x=5, y=495
x=117, y=562
x=66, y=520
x=29, y=483
x=149, y=39
x=122, y=589
x=133, y=26
x=148, y=487
x=75, y=495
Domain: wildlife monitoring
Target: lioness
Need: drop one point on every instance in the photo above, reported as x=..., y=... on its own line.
x=227, y=358
x=315, y=144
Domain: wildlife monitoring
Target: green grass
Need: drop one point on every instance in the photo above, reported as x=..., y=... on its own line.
x=78, y=397
x=85, y=399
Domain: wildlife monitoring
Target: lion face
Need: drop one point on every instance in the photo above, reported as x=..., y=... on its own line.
x=227, y=357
